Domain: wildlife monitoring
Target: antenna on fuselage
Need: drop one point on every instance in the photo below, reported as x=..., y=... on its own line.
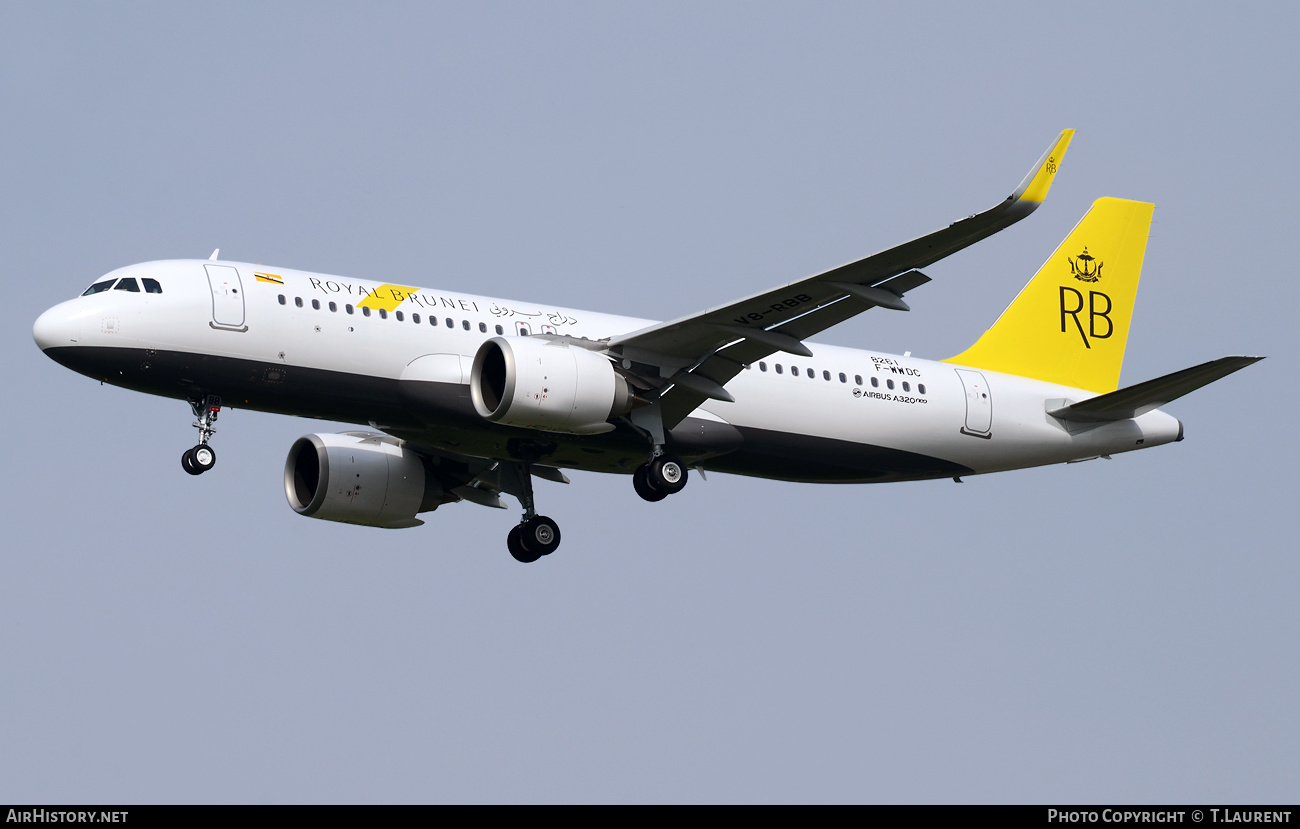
x=213, y=257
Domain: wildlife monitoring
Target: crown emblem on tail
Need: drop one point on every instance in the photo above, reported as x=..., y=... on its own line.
x=1084, y=269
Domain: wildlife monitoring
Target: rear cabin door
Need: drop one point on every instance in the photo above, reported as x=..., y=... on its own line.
x=979, y=404
x=227, y=297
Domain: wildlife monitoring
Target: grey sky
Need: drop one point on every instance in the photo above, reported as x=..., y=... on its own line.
x=1107, y=631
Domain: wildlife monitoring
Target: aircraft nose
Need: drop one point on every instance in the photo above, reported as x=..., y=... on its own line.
x=53, y=329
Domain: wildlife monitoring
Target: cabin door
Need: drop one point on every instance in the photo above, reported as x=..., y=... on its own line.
x=227, y=297
x=979, y=404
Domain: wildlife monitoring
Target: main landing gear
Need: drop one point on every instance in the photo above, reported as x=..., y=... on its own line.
x=536, y=535
x=201, y=458
x=661, y=476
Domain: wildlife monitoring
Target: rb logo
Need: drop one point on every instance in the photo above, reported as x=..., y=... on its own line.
x=1096, y=312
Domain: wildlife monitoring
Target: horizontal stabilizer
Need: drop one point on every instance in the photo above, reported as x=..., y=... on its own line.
x=1135, y=401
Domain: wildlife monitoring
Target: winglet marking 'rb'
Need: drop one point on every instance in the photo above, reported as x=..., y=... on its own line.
x=1035, y=186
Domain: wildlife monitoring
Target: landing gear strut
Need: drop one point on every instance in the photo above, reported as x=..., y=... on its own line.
x=201, y=458
x=535, y=535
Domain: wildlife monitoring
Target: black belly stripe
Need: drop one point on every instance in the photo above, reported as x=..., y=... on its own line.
x=440, y=416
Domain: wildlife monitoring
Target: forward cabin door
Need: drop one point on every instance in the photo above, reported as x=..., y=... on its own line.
x=227, y=297
x=979, y=404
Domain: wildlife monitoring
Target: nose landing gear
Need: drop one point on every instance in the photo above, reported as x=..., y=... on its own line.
x=199, y=459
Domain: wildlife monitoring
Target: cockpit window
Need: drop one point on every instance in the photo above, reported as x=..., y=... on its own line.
x=99, y=286
x=127, y=284
x=151, y=286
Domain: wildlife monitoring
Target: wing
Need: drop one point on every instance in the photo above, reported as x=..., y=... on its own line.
x=691, y=359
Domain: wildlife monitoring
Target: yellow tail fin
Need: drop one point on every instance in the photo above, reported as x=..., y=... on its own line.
x=1070, y=323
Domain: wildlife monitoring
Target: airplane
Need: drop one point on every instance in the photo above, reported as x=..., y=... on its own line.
x=469, y=397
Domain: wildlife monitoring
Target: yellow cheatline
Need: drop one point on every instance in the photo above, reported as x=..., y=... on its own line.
x=269, y=277
x=1069, y=325
x=387, y=297
x=1037, y=189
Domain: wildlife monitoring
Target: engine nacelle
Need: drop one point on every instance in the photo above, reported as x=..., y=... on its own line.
x=357, y=478
x=546, y=384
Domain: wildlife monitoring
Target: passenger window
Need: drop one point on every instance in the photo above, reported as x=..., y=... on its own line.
x=365, y=311
x=827, y=376
x=281, y=299
x=433, y=321
x=875, y=382
x=128, y=284
x=398, y=314
x=920, y=387
x=762, y=366
x=906, y=386
x=482, y=327
x=383, y=314
x=151, y=286
x=347, y=308
x=99, y=286
x=794, y=371
x=334, y=308
x=857, y=380
x=451, y=323
x=778, y=368
x=843, y=379
x=315, y=304
x=889, y=384
x=500, y=330
x=297, y=301
x=415, y=318
x=464, y=324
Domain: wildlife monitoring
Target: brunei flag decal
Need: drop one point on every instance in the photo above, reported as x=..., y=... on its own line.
x=269, y=277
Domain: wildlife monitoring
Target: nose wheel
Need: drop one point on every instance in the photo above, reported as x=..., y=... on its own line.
x=201, y=458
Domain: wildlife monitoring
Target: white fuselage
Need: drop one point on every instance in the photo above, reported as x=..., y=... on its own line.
x=305, y=345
